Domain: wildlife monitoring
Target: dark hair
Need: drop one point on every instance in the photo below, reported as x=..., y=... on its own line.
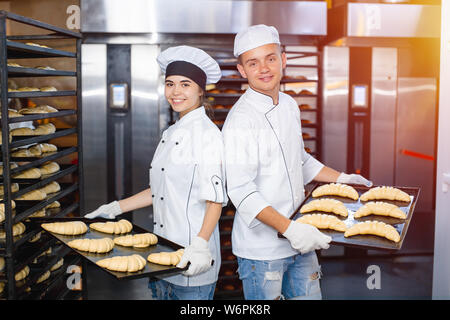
x=208, y=107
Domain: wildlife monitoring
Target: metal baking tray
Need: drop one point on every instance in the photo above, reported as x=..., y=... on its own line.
x=366, y=241
x=150, y=270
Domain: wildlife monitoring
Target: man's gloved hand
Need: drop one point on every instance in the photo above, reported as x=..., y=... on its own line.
x=198, y=255
x=108, y=211
x=305, y=237
x=353, y=179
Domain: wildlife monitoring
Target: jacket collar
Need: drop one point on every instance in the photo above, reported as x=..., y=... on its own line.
x=191, y=116
x=260, y=101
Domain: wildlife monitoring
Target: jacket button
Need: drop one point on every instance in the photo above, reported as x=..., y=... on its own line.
x=153, y=195
x=217, y=182
x=176, y=143
x=162, y=141
x=161, y=225
x=162, y=169
x=154, y=223
x=162, y=198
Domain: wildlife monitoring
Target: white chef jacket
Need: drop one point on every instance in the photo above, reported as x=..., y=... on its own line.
x=266, y=165
x=187, y=169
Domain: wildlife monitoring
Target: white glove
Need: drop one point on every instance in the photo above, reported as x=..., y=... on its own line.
x=198, y=255
x=108, y=211
x=305, y=237
x=353, y=179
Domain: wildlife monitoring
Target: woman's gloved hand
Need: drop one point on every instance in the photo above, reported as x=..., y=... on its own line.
x=353, y=179
x=198, y=255
x=108, y=211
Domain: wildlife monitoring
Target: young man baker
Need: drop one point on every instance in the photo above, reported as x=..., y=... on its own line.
x=266, y=169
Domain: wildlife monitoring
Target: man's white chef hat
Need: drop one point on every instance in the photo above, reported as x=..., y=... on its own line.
x=190, y=62
x=254, y=36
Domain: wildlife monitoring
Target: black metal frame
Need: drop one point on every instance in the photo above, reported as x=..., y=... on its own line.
x=15, y=247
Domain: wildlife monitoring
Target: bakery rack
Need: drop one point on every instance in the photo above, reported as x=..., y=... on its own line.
x=16, y=250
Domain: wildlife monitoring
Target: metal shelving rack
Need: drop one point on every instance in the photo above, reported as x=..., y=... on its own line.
x=16, y=251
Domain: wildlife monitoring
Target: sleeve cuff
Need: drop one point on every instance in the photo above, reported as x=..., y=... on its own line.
x=311, y=168
x=249, y=208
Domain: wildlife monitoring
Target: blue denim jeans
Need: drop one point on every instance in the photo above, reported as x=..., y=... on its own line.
x=295, y=277
x=163, y=290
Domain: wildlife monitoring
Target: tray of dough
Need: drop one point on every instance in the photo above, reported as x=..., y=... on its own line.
x=150, y=269
x=362, y=219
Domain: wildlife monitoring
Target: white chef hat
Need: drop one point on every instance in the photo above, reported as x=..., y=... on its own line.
x=254, y=36
x=190, y=62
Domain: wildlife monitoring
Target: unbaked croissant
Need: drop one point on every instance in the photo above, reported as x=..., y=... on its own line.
x=326, y=205
x=39, y=109
x=336, y=189
x=49, y=167
x=14, y=188
x=35, y=150
x=43, y=129
x=131, y=263
x=12, y=165
x=323, y=221
x=52, y=187
x=70, y=228
x=92, y=245
x=380, y=208
x=388, y=193
x=377, y=228
x=57, y=265
x=48, y=88
x=17, y=230
x=2, y=210
x=43, y=277
x=140, y=240
x=32, y=173
x=25, y=131
x=10, y=138
x=119, y=227
x=48, y=147
x=166, y=258
x=2, y=263
x=36, y=194
x=22, y=274
x=22, y=153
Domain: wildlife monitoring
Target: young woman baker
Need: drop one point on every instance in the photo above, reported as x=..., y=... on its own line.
x=187, y=178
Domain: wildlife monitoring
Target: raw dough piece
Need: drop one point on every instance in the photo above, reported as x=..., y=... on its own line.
x=43, y=129
x=43, y=277
x=119, y=227
x=52, y=187
x=36, y=194
x=2, y=263
x=380, y=208
x=70, y=228
x=377, y=228
x=48, y=88
x=35, y=238
x=25, y=131
x=17, y=230
x=22, y=153
x=326, y=205
x=36, y=45
x=12, y=165
x=336, y=189
x=28, y=89
x=39, y=109
x=10, y=138
x=57, y=265
x=48, y=147
x=141, y=240
x=388, y=193
x=12, y=114
x=14, y=188
x=32, y=173
x=323, y=221
x=35, y=150
x=45, y=68
x=92, y=245
x=166, y=258
x=2, y=210
x=54, y=204
x=13, y=64
x=22, y=274
x=49, y=168
x=131, y=263
x=37, y=214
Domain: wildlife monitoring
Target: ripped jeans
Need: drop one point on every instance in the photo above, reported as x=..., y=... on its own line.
x=295, y=277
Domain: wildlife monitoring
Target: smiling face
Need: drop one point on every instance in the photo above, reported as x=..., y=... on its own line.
x=183, y=94
x=263, y=68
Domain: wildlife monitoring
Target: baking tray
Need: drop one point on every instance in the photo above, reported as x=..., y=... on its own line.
x=366, y=241
x=150, y=270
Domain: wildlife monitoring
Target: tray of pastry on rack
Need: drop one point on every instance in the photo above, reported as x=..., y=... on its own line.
x=122, y=249
x=357, y=216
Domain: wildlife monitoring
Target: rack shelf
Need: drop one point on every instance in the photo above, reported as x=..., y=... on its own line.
x=17, y=250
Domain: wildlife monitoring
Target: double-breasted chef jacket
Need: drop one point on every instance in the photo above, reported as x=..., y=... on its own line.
x=266, y=165
x=187, y=170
